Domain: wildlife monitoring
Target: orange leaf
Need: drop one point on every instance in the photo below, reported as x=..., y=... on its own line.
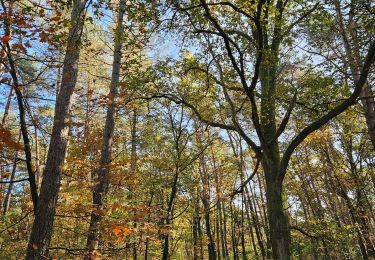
x=6, y=38
x=19, y=47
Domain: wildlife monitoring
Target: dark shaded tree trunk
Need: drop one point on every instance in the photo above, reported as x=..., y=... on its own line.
x=197, y=231
x=17, y=86
x=41, y=233
x=277, y=218
x=243, y=240
x=233, y=232
x=166, y=254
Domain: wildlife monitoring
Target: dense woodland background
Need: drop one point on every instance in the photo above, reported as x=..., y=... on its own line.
x=142, y=129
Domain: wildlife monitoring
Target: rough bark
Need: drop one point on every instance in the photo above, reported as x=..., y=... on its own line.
x=101, y=187
x=41, y=233
x=353, y=61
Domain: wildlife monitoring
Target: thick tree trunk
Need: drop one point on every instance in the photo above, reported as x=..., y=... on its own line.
x=43, y=224
x=278, y=220
x=353, y=61
x=101, y=187
x=368, y=103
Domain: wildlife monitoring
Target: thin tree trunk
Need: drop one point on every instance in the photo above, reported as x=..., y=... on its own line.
x=211, y=243
x=177, y=133
x=233, y=232
x=196, y=226
x=256, y=223
x=8, y=195
x=7, y=105
x=37, y=169
x=41, y=233
x=133, y=166
x=166, y=254
x=101, y=187
x=21, y=109
x=244, y=255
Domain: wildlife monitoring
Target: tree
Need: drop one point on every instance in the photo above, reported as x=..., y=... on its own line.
x=270, y=30
x=101, y=186
x=40, y=237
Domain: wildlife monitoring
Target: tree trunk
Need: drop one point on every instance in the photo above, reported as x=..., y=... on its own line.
x=166, y=254
x=243, y=242
x=101, y=187
x=133, y=167
x=21, y=109
x=8, y=195
x=211, y=242
x=37, y=168
x=7, y=105
x=43, y=224
x=255, y=221
x=233, y=232
x=196, y=227
x=278, y=220
x=353, y=61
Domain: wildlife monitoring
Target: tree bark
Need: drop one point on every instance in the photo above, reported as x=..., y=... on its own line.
x=7, y=105
x=353, y=61
x=8, y=195
x=101, y=187
x=277, y=219
x=41, y=233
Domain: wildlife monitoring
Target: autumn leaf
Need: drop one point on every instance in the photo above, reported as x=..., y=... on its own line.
x=95, y=255
x=6, y=140
x=18, y=47
x=120, y=232
x=5, y=39
x=55, y=18
x=43, y=37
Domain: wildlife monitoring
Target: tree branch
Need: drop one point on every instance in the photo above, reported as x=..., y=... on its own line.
x=370, y=58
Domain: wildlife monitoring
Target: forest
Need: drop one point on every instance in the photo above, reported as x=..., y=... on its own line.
x=187, y=129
